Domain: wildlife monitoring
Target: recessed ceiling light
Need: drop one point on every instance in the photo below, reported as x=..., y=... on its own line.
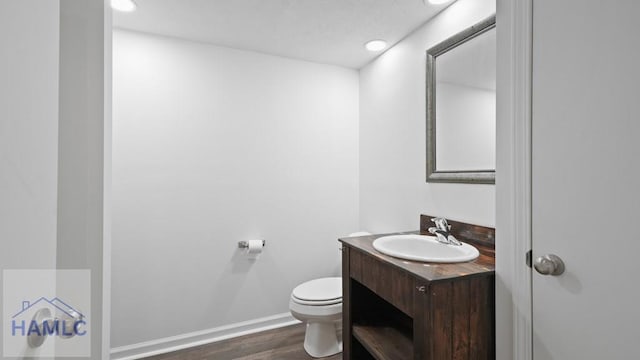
x=123, y=5
x=438, y=2
x=376, y=45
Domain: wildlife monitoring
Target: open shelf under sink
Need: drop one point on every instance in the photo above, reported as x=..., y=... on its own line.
x=384, y=342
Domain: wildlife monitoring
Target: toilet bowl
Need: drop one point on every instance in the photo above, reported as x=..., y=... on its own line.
x=318, y=303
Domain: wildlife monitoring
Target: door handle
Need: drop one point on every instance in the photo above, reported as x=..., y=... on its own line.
x=549, y=265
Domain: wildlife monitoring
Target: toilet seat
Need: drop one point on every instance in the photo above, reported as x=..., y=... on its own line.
x=316, y=303
x=317, y=313
x=325, y=291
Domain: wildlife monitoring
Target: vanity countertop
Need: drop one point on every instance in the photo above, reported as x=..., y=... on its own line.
x=482, y=266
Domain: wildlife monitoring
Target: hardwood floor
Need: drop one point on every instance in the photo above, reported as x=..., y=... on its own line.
x=278, y=344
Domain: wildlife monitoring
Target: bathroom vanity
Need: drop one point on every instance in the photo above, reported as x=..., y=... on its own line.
x=400, y=309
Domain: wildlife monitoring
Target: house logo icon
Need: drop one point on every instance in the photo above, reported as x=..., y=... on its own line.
x=46, y=313
x=48, y=317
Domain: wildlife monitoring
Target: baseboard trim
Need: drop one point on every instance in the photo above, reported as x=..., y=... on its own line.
x=197, y=338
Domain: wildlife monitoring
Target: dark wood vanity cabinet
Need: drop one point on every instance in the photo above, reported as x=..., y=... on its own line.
x=398, y=309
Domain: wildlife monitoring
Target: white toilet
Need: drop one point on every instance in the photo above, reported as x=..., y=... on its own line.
x=319, y=304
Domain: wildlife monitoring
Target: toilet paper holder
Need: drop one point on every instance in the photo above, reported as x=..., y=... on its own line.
x=245, y=244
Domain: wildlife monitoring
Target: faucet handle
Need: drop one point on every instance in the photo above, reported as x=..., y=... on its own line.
x=441, y=224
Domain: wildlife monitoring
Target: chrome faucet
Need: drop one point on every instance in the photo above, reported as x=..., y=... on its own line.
x=441, y=231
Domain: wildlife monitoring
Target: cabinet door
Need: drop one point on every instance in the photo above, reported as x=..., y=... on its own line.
x=454, y=319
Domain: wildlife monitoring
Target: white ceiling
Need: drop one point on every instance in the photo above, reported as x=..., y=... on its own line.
x=324, y=31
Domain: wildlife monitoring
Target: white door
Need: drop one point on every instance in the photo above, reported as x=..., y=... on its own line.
x=586, y=178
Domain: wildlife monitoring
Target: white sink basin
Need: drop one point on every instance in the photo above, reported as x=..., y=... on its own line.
x=424, y=248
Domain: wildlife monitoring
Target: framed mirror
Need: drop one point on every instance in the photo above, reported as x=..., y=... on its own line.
x=461, y=106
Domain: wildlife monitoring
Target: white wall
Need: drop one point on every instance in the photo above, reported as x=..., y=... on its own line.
x=29, y=33
x=393, y=191
x=213, y=146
